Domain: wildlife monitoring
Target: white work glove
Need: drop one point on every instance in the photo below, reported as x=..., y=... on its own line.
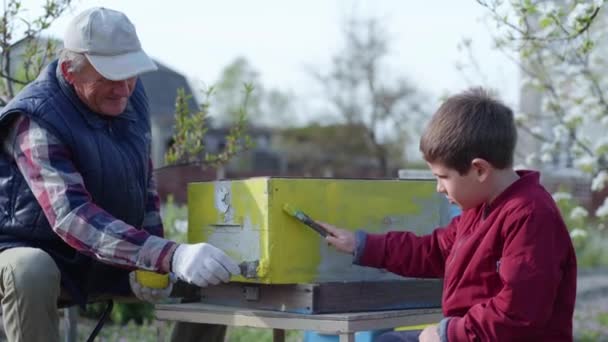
x=202, y=264
x=149, y=294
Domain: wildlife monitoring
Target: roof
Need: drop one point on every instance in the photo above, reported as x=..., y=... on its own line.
x=161, y=87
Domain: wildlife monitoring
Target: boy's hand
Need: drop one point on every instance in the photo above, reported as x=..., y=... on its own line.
x=342, y=239
x=429, y=334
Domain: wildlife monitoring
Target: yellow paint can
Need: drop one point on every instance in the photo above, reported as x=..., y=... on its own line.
x=152, y=279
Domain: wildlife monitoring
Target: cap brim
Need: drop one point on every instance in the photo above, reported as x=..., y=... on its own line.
x=121, y=67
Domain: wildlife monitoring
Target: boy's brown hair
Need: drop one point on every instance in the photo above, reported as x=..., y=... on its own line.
x=470, y=125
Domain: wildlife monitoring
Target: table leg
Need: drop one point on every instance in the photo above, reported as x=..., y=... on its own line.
x=278, y=335
x=347, y=337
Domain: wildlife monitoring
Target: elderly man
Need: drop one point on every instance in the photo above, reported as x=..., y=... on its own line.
x=78, y=204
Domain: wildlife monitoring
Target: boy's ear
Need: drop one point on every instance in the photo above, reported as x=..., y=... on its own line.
x=481, y=169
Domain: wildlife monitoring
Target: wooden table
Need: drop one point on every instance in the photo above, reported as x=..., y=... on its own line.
x=343, y=324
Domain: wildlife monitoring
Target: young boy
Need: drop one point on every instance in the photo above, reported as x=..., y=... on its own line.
x=507, y=261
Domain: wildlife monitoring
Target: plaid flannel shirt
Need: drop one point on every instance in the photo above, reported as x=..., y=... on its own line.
x=59, y=188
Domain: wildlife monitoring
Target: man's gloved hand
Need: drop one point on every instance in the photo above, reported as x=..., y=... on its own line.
x=202, y=264
x=148, y=294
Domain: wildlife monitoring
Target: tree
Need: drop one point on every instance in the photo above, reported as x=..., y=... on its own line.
x=190, y=130
x=16, y=27
x=362, y=92
x=560, y=49
x=270, y=107
x=337, y=150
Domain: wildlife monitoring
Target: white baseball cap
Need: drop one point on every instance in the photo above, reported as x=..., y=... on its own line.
x=109, y=41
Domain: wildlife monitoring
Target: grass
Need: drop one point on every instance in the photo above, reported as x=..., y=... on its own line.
x=149, y=332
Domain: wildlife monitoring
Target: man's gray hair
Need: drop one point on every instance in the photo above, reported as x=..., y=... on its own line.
x=76, y=60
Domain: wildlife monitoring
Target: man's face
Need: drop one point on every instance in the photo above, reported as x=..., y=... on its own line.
x=465, y=191
x=100, y=94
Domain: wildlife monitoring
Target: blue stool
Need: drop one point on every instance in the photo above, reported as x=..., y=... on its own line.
x=361, y=336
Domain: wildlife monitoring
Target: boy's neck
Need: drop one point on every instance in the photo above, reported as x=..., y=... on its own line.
x=501, y=180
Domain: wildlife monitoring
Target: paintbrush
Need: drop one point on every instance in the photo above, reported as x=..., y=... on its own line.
x=302, y=217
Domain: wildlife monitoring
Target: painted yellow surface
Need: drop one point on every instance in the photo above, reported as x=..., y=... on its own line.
x=152, y=280
x=414, y=327
x=245, y=218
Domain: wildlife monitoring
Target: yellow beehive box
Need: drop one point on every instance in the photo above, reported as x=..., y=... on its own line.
x=245, y=218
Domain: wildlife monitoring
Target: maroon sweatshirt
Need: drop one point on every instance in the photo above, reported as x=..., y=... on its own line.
x=509, y=268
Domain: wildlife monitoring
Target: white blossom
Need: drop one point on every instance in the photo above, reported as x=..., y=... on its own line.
x=601, y=144
x=181, y=225
x=547, y=7
x=546, y=158
x=531, y=159
x=559, y=196
x=560, y=132
x=547, y=147
x=577, y=232
x=578, y=213
x=572, y=118
x=602, y=211
x=577, y=150
x=585, y=163
x=537, y=130
x=520, y=117
x=599, y=181
x=579, y=10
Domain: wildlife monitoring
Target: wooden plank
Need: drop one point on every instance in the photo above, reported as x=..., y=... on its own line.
x=288, y=297
x=325, y=323
x=328, y=297
x=380, y=295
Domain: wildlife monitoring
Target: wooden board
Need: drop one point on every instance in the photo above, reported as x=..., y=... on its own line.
x=328, y=297
x=324, y=323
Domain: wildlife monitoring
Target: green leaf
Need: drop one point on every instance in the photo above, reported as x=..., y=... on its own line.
x=546, y=22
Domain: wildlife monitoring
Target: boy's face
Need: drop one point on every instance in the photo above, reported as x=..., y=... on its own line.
x=466, y=191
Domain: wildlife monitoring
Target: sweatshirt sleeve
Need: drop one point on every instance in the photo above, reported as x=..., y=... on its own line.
x=409, y=255
x=535, y=249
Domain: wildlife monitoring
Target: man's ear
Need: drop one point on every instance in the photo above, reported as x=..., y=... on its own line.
x=68, y=75
x=481, y=169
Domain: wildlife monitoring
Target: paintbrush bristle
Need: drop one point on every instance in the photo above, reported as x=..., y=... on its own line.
x=288, y=209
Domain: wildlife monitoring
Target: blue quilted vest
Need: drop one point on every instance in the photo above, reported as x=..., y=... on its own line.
x=111, y=154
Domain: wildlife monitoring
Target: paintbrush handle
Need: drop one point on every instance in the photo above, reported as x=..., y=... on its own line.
x=312, y=224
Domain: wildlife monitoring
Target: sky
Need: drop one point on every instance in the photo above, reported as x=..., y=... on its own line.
x=282, y=38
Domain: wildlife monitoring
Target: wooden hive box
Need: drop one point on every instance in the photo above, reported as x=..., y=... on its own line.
x=291, y=268
x=245, y=218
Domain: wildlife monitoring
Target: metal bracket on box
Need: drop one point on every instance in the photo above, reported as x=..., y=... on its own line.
x=249, y=269
x=251, y=293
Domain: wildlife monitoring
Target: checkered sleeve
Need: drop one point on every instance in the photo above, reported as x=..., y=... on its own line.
x=46, y=164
